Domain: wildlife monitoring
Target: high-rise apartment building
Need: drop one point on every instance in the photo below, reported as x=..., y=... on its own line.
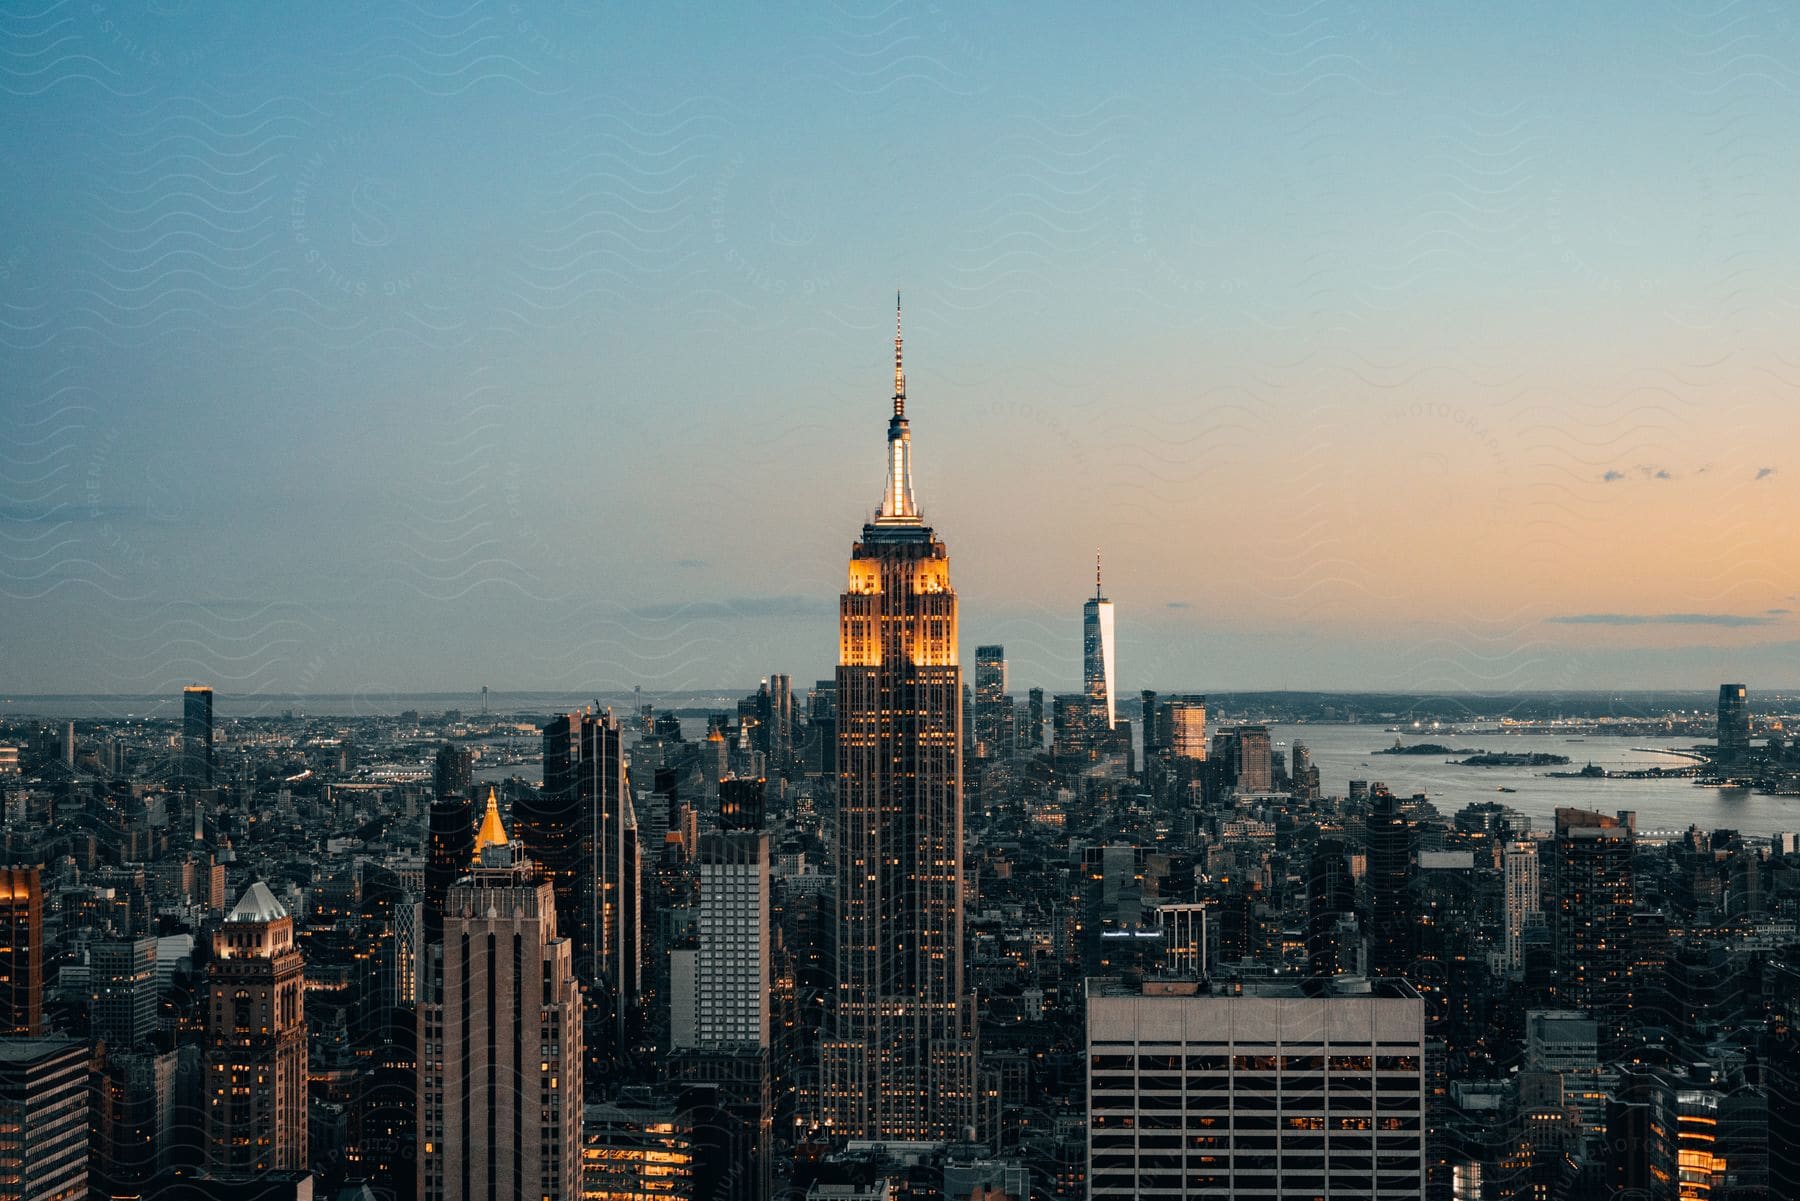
x=122, y=991
x=899, y=1056
x=1523, y=895
x=21, y=951
x=500, y=1063
x=1034, y=718
x=43, y=1119
x=197, y=736
x=722, y=995
x=1591, y=888
x=1261, y=1090
x=255, y=1058
x=1098, y=665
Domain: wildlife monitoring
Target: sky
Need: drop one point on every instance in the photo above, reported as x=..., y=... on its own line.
x=426, y=346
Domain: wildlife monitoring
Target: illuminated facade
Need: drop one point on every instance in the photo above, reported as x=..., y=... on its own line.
x=635, y=1151
x=256, y=1115
x=899, y=1057
x=500, y=1063
x=1097, y=663
x=21, y=951
x=1591, y=884
x=44, y=1122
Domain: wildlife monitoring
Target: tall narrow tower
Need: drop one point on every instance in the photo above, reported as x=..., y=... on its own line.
x=899, y=1060
x=1097, y=650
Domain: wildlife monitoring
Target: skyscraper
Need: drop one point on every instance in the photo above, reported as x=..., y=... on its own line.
x=1734, y=718
x=1591, y=883
x=490, y=1124
x=581, y=830
x=993, y=708
x=197, y=736
x=255, y=1062
x=1391, y=925
x=44, y=1119
x=451, y=836
x=1097, y=663
x=899, y=1057
x=21, y=951
x=122, y=991
x=1182, y=723
x=1523, y=896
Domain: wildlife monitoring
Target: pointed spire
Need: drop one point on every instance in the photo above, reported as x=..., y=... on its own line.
x=493, y=831
x=899, y=372
x=1098, y=594
x=897, y=504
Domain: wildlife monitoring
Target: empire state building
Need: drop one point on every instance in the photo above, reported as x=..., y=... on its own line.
x=899, y=1059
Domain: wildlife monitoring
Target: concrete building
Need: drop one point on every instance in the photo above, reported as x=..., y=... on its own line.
x=43, y=1119
x=1258, y=1090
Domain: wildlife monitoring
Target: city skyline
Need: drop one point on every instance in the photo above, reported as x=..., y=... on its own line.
x=1440, y=353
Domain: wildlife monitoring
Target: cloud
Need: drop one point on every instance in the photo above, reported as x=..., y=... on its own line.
x=690, y=562
x=740, y=606
x=1612, y=476
x=1763, y=473
x=1178, y=605
x=1662, y=474
x=1728, y=620
x=1777, y=612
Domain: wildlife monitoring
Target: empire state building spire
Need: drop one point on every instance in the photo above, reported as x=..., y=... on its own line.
x=898, y=506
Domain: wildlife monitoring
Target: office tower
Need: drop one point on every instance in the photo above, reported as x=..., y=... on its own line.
x=43, y=1119
x=1591, y=886
x=641, y=1146
x=993, y=708
x=899, y=1060
x=581, y=830
x=1330, y=897
x=255, y=1059
x=500, y=1062
x=1097, y=662
x=1734, y=718
x=821, y=721
x=741, y=803
x=721, y=1031
x=781, y=721
x=1388, y=841
x=1306, y=1089
x=197, y=736
x=21, y=951
x=1034, y=718
x=453, y=774
x=67, y=744
x=122, y=991
x=451, y=845
x=1182, y=723
x=1524, y=896
x=1251, y=760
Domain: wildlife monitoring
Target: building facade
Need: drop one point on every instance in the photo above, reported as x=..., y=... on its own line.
x=1097, y=663
x=500, y=1062
x=43, y=1119
x=1267, y=1091
x=21, y=951
x=197, y=736
x=899, y=1056
x=255, y=1062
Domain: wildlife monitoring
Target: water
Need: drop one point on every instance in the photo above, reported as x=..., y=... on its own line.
x=1343, y=753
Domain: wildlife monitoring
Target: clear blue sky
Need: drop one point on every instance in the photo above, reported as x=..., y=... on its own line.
x=424, y=346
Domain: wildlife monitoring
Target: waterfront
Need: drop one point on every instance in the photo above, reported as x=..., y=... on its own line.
x=1345, y=752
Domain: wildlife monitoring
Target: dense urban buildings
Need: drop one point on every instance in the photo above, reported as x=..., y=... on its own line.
x=724, y=946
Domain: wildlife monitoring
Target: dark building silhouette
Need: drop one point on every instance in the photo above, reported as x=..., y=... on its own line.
x=1591, y=893
x=1388, y=839
x=21, y=951
x=1330, y=898
x=197, y=736
x=1734, y=718
x=581, y=829
x=451, y=836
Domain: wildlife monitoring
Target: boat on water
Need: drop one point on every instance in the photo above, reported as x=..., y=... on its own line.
x=1503, y=788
